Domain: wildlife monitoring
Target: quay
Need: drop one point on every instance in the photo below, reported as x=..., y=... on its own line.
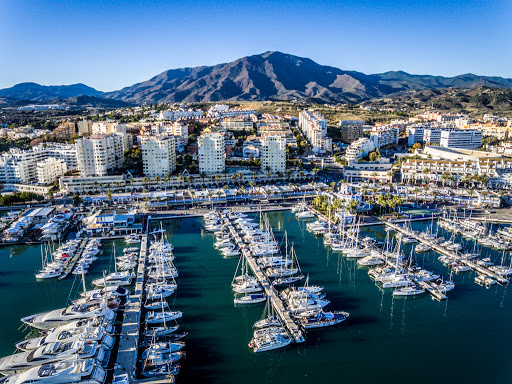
x=127, y=354
x=290, y=325
x=481, y=269
x=74, y=259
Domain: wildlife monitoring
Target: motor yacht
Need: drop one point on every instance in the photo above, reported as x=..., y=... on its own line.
x=71, y=371
x=116, y=278
x=67, y=315
x=408, y=291
x=50, y=353
x=319, y=319
x=250, y=299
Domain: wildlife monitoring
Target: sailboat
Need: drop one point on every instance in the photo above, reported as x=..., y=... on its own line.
x=271, y=320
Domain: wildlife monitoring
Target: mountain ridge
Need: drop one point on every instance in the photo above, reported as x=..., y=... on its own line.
x=268, y=76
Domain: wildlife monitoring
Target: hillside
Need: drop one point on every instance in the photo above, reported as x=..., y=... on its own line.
x=474, y=101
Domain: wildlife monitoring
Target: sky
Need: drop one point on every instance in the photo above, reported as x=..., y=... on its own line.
x=112, y=44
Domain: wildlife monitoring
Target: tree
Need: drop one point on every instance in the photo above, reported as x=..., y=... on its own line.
x=416, y=146
x=109, y=195
x=374, y=156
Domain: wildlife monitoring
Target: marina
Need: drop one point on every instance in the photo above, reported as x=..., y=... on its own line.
x=372, y=310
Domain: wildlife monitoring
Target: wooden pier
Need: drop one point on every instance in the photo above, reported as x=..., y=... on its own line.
x=436, y=247
x=128, y=345
x=292, y=328
x=74, y=259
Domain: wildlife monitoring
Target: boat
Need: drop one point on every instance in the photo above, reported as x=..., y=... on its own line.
x=369, y=261
x=70, y=371
x=484, y=280
x=116, y=278
x=67, y=315
x=422, y=248
x=153, y=317
x=162, y=348
x=132, y=239
x=169, y=369
x=408, y=291
x=250, y=299
x=269, y=342
x=51, y=353
x=320, y=319
x=161, y=331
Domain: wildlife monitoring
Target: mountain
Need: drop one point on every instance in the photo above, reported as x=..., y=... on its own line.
x=44, y=93
x=267, y=76
x=280, y=76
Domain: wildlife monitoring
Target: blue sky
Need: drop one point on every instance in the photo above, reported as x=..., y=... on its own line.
x=112, y=44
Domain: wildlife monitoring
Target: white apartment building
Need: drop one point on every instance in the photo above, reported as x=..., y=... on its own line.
x=384, y=135
x=98, y=154
x=233, y=124
x=66, y=152
x=50, y=169
x=415, y=135
x=211, y=151
x=158, y=155
x=108, y=127
x=20, y=166
x=314, y=127
x=368, y=171
x=463, y=139
x=273, y=154
x=180, y=114
x=359, y=149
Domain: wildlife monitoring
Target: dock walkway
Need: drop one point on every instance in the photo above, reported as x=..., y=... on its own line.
x=74, y=259
x=128, y=345
x=290, y=325
x=436, y=247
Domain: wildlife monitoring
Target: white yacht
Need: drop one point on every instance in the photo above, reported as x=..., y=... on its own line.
x=69, y=371
x=408, y=291
x=132, y=239
x=269, y=342
x=160, y=317
x=319, y=319
x=116, y=278
x=369, y=261
x=50, y=353
x=63, y=316
x=250, y=299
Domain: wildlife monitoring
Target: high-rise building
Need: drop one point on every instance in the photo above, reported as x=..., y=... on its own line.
x=158, y=155
x=384, y=135
x=211, y=153
x=273, y=154
x=314, y=127
x=98, y=154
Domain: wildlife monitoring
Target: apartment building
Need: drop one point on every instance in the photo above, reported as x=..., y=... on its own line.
x=314, y=127
x=461, y=138
x=65, y=130
x=49, y=170
x=273, y=154
x=158, y=155
x=236, y=124
x=99, y=154
x=359, y=149
x=108, y=127
x=384, y=135
x=20, y=166
x=211, y=153
x=351, y=132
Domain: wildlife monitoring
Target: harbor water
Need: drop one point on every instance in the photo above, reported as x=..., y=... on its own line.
x=463, y=339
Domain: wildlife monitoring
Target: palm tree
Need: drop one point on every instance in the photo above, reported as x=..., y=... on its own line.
x=167, y=178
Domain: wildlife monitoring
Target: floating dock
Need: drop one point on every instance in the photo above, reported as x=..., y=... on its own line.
x=74, y=259
x=436, y=247
x=129, y=339
x=292, y=328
